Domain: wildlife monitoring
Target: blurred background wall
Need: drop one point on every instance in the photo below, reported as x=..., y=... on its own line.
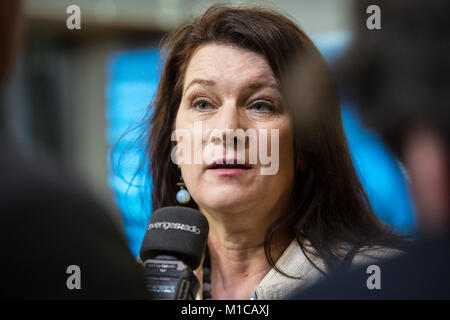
x=75, y=91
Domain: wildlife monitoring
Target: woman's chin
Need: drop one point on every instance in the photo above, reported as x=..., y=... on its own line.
x=225, y=199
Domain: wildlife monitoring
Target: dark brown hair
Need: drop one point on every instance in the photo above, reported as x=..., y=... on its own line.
x=329, y=206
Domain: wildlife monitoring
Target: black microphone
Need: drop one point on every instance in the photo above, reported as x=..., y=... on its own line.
x=172, y=248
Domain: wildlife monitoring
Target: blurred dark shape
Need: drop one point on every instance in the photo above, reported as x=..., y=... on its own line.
x=48, y=222
x=399, y=78
x=399, y=75
x=422, y=273
x=10, y=35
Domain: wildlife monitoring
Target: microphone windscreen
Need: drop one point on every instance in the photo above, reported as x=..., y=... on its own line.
x=176, y=231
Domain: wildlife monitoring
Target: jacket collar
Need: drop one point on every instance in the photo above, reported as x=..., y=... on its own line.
x=293, y=262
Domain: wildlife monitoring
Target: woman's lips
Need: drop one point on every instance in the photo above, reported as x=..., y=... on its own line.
x=227, y=168
x=228, y=172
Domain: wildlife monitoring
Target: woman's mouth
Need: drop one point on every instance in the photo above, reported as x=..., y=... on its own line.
x=228, y=169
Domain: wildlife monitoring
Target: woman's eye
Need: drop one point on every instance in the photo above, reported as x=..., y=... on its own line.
x=201, y=105
x=261, y=107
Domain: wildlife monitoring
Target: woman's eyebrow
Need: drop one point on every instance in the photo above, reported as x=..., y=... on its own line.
x=203, y=82
x=263, y=84
x=252, y=86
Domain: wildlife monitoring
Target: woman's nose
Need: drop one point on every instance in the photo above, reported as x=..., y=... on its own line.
x=227, y=121
x=228, y=117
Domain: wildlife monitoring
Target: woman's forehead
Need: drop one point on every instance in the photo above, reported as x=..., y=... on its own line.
x=214, y=64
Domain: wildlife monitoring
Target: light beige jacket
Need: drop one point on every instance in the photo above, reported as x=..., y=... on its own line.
x=275, y=286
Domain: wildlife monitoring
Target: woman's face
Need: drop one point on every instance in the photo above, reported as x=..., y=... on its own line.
x=228, y=88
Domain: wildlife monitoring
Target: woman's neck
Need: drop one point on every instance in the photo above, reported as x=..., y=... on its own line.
x=236, y=248
x=238, y=262
x=236, y=268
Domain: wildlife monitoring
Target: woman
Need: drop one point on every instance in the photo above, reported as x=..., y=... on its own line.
x=269, y=232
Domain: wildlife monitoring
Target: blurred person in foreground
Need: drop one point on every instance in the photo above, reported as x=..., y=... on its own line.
x=400, y=79
x=48, y=223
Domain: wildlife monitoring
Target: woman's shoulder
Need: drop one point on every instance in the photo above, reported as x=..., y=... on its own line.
x=360, y=255
x=349, y=253
x=304, y=266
